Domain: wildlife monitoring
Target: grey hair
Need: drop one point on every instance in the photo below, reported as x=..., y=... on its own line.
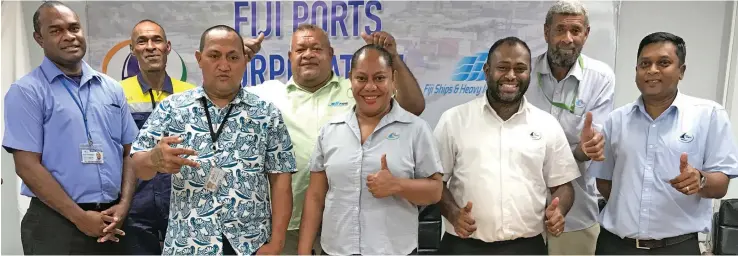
x=567, y=7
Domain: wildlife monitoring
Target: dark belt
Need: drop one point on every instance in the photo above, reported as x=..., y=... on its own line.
x=90, y=206
x=653, y=244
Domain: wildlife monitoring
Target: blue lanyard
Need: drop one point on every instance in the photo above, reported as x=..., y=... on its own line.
x=79, y=105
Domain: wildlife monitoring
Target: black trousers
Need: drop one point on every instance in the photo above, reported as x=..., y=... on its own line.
x=453, y=245
x=44, y=231
x=611, y=244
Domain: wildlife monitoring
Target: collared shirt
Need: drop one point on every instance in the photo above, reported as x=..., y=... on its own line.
x=253, y=143
x=504, y=168
x=139, y=95
x=590, y=86
x=151, y=199
x=44, y=118
x=642, y=155
x=354, y=221
x=304, y=114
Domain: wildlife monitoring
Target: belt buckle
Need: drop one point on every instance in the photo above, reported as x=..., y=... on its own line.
x=638, y=245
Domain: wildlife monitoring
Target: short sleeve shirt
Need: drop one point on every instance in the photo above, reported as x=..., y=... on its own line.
x=354, y=221
x=254, y=142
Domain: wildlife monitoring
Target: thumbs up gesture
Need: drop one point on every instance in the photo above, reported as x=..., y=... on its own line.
x=554, y=218
x=382, y=39
x=252, y=46
x=382, y=184
x=464, y=224
x=591, y=141
x=688, y=181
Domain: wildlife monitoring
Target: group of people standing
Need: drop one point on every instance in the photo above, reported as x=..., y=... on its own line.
x=327, y=165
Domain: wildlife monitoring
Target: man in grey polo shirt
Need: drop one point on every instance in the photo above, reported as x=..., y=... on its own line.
x=568, y=84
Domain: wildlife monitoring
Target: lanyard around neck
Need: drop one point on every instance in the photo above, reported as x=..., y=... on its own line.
x=82, y=109
x=215, y=135
x=569, y=107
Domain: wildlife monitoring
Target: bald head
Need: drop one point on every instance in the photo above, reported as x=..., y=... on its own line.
x=147, y=25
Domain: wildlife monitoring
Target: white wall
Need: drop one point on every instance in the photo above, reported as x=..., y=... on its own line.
x=702, y=25
x=705, y=26
x=732, y=86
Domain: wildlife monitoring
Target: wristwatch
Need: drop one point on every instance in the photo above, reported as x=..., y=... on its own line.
x=703, y=181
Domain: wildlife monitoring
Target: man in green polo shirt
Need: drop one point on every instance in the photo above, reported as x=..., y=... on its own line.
x=314, y=95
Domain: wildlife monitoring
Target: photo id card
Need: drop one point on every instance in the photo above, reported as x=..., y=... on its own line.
x=214, y=179
x=91, y=153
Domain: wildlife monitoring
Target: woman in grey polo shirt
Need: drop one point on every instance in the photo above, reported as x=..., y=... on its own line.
x=371, y=169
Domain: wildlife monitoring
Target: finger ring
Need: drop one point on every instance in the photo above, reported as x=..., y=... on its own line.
x=687, y=188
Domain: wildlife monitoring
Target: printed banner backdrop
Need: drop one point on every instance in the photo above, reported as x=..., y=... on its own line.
x=443, y=43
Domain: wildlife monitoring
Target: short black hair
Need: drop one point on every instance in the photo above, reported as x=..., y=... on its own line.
x=155, y=23
x=382, y=52
x=661, y=37
x=46, y=4
x=221, y=28
x=508, y=41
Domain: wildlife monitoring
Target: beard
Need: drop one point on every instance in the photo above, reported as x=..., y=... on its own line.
x=493, y=91
x=563, y=57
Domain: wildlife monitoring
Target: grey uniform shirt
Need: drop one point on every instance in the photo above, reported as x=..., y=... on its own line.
x=354, y=221
x=588, y=87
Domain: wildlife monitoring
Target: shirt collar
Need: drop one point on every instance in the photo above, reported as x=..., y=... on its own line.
x=243, y=96
x=680, y=102
x=486, y=106
x=146, y=87
x=396, y=114
x=51, y=71
x=334, y=81
x=577, y=70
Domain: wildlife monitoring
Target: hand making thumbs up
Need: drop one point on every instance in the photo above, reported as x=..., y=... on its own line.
x=382, y=39
x=464, y=224
x=382, y=184
x=591, y=141
x=554, y=218
x=688, y=181
x=252, y=46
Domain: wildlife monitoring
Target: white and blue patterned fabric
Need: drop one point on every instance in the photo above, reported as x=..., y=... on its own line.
x=253, y=143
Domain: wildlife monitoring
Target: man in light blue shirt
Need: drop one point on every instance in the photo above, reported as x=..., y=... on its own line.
x=667, y=155
x=69, y=128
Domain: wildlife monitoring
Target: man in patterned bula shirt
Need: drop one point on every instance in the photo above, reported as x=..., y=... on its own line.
x=224, y=147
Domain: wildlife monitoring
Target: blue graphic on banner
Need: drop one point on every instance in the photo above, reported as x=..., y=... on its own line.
x=470, y=68
x=469, y=75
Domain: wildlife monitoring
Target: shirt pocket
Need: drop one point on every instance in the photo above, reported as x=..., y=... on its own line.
x=679, y=142
x=110, y=118
x=570, y=123
x=531, y=154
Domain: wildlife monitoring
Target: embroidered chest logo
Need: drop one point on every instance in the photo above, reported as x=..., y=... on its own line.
x=338, y=104
x=579, y=103
x=535, y=135
x=393, y=136
x=686, y=138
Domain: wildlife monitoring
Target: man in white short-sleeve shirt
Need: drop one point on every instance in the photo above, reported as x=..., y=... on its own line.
x=501, y=156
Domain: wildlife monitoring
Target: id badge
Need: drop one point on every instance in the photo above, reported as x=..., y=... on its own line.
x=91, y=153
x=214, y=179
